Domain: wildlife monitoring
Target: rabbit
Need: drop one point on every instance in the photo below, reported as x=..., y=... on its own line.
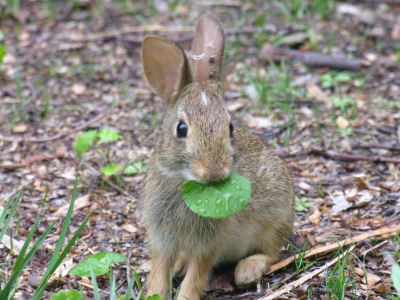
x=197, y=141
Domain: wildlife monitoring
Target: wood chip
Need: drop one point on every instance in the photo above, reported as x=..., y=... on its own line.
x=80, y=202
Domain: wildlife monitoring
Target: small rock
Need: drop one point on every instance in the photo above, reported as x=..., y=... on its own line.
x=342, y=122
x=78, y=89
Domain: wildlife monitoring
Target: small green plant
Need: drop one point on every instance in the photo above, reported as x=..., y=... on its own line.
x=302, y=204
x=217, y=200
x=68, y=295
x=299, y=254
x=339, y=278
x=102, y=140
x=3, y=47
x=324, y=8
x=346, y=105
x=100, y=264
x=7, y=288
x=272, y=87
x=333, y=79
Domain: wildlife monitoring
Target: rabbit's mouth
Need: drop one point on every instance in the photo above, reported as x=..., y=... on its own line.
x=208, y=174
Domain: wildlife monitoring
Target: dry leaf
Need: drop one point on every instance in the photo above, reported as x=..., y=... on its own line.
x=130, y=228
x=257, y=122
x=234, y=106
x=340, y=203
x=20, y=128
x=80, y=202
x=315, y=217
x=314, y=91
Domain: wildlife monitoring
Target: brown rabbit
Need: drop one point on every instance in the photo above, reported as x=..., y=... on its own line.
x=199, y=142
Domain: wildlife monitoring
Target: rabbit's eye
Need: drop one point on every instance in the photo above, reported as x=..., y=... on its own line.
x=181, y=129
x=231, y=130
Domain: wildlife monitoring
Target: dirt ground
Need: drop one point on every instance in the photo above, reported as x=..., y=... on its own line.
x=75, y=67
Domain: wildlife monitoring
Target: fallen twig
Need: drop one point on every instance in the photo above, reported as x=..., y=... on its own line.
x=377, y=146
x=305, y=278
x=84, y=38
x=59, y=135
x=108, y=181
x=334, y=246
x=312, y=59
x=353, y=157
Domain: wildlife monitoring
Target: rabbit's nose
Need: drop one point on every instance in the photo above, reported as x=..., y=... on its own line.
x=212, y=173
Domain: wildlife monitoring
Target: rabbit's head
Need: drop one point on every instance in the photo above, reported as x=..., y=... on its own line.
x=196, y=142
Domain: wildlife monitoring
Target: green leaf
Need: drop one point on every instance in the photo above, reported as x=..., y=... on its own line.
x=3, y=51
x=155, y=297
x=396, y=277
x=137, y=167
x=108, y=135
x=68, y=295
x=217, y=200
x=302, y=204
x=84, y=141
x=110, y=169
x=99, y=263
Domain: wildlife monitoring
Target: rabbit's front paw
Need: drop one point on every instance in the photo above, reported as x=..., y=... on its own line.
x=250, y=269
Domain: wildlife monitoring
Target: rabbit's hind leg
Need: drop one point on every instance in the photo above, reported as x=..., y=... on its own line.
x=250, y=269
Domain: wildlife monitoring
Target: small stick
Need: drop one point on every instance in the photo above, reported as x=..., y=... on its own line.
x=374, y=247
x=305, y=278
x=108, y=181
x=59, y=135
x=377, y=146
x=334, y=246
x=351, y=157
x=312, y=59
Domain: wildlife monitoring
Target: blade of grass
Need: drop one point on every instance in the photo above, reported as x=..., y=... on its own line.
x=129, y=291
x=19, y=268
x=95, y=286
x=113, y=292
x=60, y=258
x=31, y=233
x=12, y=212
x=64, y=229
x=5, y=209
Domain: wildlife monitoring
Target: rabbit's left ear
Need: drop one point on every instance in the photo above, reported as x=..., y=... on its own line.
x=207, y=49
x=165, y=67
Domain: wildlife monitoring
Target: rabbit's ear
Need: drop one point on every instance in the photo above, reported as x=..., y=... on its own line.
x=207, y=49
x=165, y=67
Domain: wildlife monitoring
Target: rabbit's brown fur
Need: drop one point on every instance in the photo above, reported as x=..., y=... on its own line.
x=179, y=238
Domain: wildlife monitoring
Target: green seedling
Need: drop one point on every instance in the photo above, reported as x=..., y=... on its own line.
x=302, y=204
x=68, y=295
x=325, y=8
x=217, y=200
x=333, y=79
x=99, y=264
x=3, y=47
x=102, y=141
